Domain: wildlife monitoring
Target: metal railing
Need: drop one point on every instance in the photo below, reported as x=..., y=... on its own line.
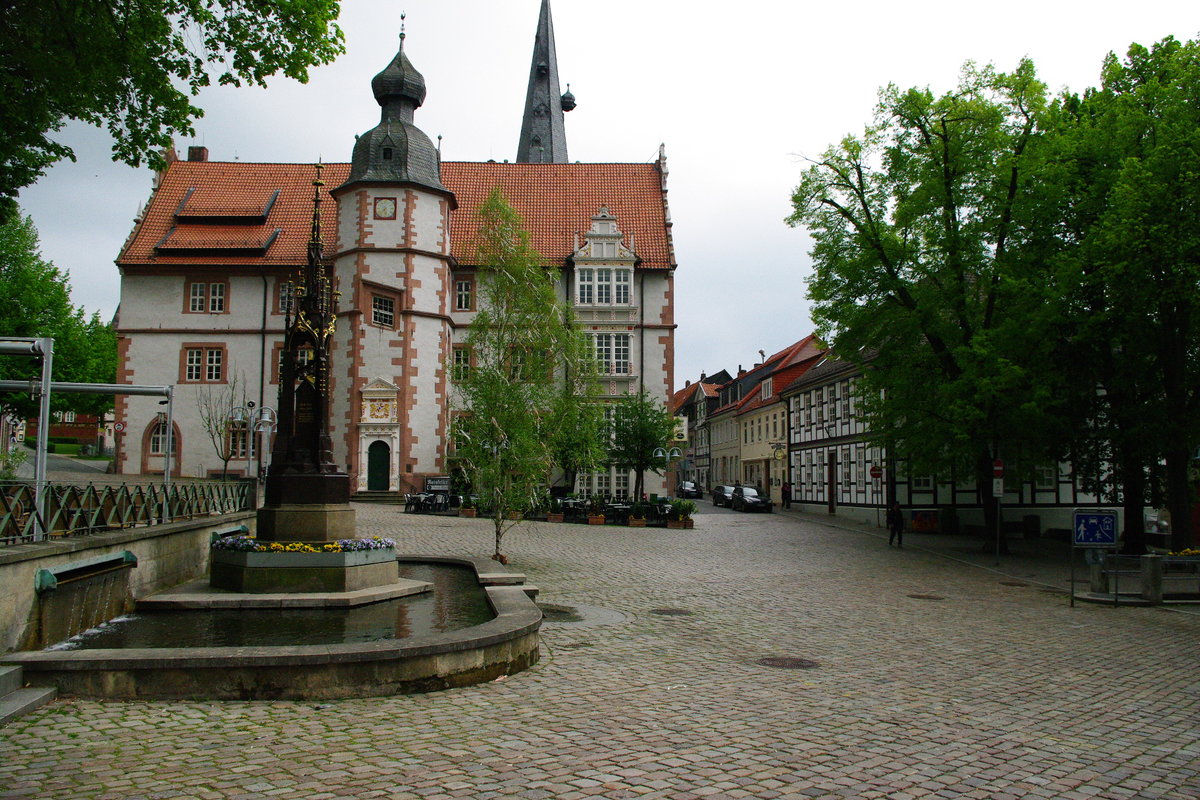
x=75, y=509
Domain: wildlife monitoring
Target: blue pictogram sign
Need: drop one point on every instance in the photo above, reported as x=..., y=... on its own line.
x=1095, y=528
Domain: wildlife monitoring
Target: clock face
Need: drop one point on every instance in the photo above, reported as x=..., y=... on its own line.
x=385, y=208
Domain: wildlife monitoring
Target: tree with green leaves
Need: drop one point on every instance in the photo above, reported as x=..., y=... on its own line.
x=640, y=427
x=35, y=301
x=1130, y=155
x=579, y=442
x=136, y=67
x=930, y=239
x=527, y=375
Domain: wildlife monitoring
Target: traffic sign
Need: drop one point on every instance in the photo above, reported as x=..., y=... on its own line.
x=997, y=469
x=119, y=427
x=876, y=472
x=1095, y=527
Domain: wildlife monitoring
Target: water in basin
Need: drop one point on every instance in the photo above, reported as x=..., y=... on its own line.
x=457, y=601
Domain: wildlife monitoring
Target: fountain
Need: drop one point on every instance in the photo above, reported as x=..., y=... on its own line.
x=305, y=557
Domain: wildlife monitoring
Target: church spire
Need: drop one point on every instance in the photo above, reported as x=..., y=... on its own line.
x=543, y=135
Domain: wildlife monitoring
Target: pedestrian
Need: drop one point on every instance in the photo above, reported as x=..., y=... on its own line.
x=895, y=522
x=785, y=492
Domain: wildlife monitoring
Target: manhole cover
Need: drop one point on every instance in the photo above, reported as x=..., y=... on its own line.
x=1013, y=583
x=671, y=612
x=553, y=613
x=926, y=597
x=787, y=662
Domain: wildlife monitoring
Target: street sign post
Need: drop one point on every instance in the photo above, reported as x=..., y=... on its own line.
x=1094, y=528
x=876, y=472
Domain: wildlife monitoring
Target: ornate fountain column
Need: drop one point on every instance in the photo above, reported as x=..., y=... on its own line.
x=307, y=496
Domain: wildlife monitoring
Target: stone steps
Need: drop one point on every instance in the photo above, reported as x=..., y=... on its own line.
x=16, y=700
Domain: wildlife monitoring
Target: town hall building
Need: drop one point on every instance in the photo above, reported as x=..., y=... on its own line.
x=208, y=272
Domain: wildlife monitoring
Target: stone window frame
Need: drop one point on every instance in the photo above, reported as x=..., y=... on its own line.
x=205, y=363
x=464, y=286
x=206, y=296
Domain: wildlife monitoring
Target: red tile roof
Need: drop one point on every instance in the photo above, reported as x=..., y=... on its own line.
x=556, y=201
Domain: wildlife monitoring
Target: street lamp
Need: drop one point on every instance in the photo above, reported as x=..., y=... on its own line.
x=264, y=420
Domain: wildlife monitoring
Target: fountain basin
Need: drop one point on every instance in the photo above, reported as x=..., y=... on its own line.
x=504, y=645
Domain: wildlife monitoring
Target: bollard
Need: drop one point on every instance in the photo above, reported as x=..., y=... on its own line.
x=1152, y=579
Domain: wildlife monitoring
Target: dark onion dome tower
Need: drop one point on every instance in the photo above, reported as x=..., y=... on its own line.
x=543, y=134
x=396, y=150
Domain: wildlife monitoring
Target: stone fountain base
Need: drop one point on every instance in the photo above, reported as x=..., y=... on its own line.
x=253, y=572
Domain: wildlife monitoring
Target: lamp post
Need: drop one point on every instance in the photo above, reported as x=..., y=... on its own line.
x=667, y=456
x=264, y=420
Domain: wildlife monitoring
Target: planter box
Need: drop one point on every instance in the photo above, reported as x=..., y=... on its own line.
x=595, y=519
x=513, y=515
x=637, y=523
x=552, y=517
x=257, y=573
x=689, y=523
x=354, y=558
x=675, y=524
x=466, y=512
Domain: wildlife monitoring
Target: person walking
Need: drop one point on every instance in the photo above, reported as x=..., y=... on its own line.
x=785, y=494
x=895, y=523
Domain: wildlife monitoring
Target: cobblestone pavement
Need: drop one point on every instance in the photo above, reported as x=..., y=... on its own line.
x=933, y=679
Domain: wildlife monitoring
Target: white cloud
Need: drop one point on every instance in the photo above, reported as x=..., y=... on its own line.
x=734, y=90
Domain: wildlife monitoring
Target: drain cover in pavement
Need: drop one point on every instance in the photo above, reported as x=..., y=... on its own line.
x=553, y=613
x=926, y=597
x=787, y=662
x=671, y=612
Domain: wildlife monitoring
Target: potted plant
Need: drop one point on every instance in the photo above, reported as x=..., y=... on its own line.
x=555, y=512
x=638, y=514
x=680, y=515
x=596, y=511
x=467, y=509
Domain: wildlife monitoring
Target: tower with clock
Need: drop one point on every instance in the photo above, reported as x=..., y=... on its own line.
x=393, y=265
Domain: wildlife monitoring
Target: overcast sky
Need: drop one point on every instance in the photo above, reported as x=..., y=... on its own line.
x=739, y=93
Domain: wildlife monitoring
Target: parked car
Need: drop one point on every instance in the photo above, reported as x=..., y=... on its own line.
x=688, y=489
x=746, y=498
x=722, y=495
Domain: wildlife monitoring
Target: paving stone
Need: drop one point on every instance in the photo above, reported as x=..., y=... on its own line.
x=994, y=692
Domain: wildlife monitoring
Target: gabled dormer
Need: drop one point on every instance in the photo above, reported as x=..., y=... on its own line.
x=604, y=265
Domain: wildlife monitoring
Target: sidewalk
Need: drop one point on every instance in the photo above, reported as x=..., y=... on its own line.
x=1036, y=561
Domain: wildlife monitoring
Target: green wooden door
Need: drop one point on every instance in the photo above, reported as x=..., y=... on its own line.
x=379, y=462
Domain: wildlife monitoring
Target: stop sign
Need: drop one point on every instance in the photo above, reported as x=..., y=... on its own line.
x=997, y=469
x=876, y=472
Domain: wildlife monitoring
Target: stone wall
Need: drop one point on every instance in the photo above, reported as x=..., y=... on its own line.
x=167, y=555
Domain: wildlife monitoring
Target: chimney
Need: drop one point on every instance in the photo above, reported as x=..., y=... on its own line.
x=702, y=377
x=741, y=371
x=197, y=153
x=686, y=384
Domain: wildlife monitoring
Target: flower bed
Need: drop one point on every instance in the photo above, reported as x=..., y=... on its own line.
x=248, y=544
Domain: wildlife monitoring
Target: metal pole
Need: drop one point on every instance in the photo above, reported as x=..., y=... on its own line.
x=1116, y=577
x=999, y=526
x=167, y=462
x=39, y=470
x=1072, y=557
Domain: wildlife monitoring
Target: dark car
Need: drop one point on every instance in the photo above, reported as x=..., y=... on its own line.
x=746, y=498
x=722, y=495
x=688, y=489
